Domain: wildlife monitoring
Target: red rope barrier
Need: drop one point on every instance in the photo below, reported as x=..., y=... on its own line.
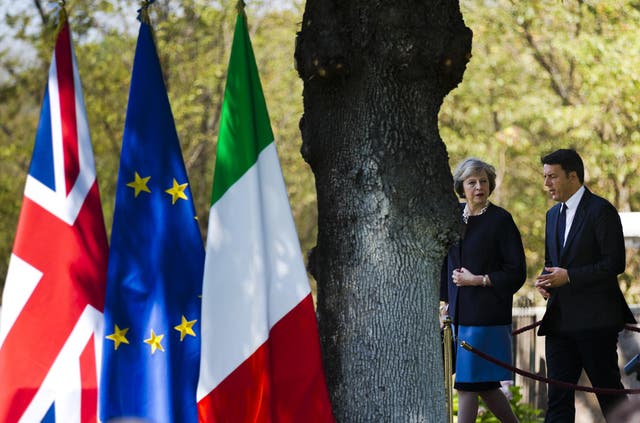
x=632, y=328
x=539, y=378
x=526, y=328
x=536, y=324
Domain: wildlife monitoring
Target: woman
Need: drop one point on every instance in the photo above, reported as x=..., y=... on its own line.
x=480, y=275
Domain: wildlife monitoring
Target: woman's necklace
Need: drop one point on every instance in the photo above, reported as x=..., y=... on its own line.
x=466, y=212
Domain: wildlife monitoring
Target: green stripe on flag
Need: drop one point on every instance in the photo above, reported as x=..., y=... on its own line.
x=244, y=122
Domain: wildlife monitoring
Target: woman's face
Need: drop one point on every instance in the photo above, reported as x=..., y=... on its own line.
x=476, y=189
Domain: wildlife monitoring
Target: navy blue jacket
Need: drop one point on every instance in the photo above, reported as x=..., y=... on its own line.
x=594, y=256
x=491, y=245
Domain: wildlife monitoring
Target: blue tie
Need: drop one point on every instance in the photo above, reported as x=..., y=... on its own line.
x=562, y=224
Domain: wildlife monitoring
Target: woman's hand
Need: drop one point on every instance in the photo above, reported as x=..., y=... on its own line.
x=444, y=311
x=463, y=277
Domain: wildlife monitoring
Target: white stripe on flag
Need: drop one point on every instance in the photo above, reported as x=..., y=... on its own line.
x=56, y=201
x=62, y=384
x=22, y=279
x=254, y=273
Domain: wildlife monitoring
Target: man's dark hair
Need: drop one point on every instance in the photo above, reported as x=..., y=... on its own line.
x=568, y=159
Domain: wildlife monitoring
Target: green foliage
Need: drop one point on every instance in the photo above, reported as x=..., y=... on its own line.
x=193, y=38
x=524, y=412
x=546, y=75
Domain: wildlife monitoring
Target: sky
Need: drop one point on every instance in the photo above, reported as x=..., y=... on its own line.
x=6, y=37
x=25, y=54
x=5, y=7
x=22, y=50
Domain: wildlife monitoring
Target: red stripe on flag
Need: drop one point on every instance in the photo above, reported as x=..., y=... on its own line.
x=89, y=382
x=73, y=260
x=282, y=381
x=66, y=90
x=243, y=396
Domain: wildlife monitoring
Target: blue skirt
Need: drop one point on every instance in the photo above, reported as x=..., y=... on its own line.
x=492, y=340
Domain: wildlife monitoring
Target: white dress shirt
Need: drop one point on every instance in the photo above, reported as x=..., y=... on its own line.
x=572, y=206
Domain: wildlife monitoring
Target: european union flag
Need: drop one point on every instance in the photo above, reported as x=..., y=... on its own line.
x=151, y=348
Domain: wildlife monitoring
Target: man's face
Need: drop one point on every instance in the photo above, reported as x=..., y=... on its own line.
x=560, y=185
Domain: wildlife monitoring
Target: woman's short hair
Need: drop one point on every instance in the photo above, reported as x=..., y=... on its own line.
x=469, y=167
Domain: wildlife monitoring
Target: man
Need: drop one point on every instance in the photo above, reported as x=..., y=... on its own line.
x=584, y=254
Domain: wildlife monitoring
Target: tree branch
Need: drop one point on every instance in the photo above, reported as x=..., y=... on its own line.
x=548, y=64
x=43, y=16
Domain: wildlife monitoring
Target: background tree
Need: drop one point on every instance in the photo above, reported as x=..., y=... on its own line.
x=543, y=74
x=375, y=74
x=546, y=75
x=193, y=39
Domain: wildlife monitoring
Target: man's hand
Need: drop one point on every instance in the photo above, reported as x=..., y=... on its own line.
x=554, y=278
x=545, y=294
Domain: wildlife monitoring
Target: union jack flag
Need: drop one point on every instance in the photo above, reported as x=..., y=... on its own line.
x=51, y=324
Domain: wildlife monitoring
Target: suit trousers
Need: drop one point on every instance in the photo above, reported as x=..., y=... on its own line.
x=567, y=354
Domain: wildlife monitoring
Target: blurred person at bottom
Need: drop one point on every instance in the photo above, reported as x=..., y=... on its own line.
x=481, y=273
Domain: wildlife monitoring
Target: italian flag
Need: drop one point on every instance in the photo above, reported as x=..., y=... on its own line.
x=260, y=357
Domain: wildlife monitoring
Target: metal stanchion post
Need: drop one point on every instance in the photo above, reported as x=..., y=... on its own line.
x=447, y=344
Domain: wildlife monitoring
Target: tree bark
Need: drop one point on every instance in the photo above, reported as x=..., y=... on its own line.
x=375, y=74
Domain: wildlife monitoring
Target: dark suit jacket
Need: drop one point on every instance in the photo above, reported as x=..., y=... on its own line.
x=594, y=256
x=491, y=246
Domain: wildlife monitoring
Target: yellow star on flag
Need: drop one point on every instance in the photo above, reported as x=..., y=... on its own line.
x=185, y=328
x=139, y=184
x=118, y=337
x=155, y=342
x=177, y=191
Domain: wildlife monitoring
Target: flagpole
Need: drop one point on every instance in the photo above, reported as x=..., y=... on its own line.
x=63, y=15
x=240, y=6
x=143, y=12
x=448, y=366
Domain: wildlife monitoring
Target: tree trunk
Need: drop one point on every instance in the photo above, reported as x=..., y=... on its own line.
x=375, y=74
